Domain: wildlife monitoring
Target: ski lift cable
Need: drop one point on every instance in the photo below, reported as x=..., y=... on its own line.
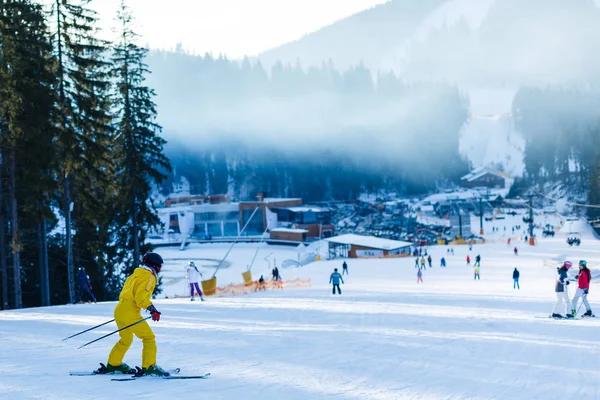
x=234, y=242
x=569, y=202
x=258, y=249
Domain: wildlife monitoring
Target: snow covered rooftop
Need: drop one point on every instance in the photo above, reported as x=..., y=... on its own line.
x=275, y=199
x=291, y=230
x=481, y=171
x=300, y=209
x=369, y=241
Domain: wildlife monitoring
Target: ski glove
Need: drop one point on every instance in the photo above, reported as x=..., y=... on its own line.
x=586, y=291
x=155, y=313
x=567, y=282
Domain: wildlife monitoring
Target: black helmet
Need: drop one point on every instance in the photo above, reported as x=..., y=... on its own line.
x=153, y=260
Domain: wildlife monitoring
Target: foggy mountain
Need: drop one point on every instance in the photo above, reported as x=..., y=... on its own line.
x=489, y=48
x=471, y=42
x=399, y=96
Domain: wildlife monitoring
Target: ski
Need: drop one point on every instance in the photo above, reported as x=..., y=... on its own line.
x=146, y=377
x=174, y=371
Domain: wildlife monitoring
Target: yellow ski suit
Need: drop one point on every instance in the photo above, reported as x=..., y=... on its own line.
x=136, y=294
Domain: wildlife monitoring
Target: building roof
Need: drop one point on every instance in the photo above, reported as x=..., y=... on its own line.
x=300, y=209
x=277, y=200
x=371, y=242
x=290, y=230
x=268, y=200
x=481, y=171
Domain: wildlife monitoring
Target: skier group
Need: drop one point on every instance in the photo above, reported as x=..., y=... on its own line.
x=583, y=279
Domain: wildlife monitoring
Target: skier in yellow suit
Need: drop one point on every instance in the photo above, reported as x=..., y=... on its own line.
x=135, y=295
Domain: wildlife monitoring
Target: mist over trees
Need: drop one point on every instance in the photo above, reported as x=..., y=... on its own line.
x=234, y=127
x=65, y=154
x=561, y=127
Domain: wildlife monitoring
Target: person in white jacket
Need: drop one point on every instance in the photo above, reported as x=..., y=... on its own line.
x=193, y=277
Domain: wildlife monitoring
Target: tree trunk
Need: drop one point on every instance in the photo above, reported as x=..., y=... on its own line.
x=16, y=245
x=136, y=241
x=68, y=238
x=44, y=276
x=3, y=265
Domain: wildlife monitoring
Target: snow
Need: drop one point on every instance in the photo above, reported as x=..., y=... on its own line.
x=579, y=226
x=371, y=242
x=291, y=230
x=307, y=209
x=450, y=12
x=276, y=200
x=386, y=337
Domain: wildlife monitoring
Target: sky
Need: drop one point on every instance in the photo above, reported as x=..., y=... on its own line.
x=231, y=27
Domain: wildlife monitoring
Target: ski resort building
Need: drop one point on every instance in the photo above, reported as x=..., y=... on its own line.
x=356, y=246
x=316, y=220
x=260, y=215
x=198, y=218
x=487, y=177
x=289, y=234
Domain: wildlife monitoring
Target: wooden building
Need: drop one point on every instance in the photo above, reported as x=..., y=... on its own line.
x=486, y=177
x=356, y=246
x=288, y=234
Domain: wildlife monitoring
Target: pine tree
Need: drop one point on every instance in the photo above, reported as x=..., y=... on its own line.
x=84, y=126
x=26, y=100
x=139, y=148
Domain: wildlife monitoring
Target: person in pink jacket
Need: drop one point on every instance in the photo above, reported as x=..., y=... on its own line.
x=583, y=288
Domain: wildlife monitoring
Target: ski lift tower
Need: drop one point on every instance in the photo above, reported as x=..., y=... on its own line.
x=531, y=226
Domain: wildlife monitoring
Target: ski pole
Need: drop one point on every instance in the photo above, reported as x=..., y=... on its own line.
x=112, y=333
x=582, y=297
x=87, y=330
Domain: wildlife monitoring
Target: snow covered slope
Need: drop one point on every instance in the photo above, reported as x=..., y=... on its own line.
x=386, y=337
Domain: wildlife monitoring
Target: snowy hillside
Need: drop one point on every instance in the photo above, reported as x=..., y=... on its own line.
x=386, y=337
x=493, y=140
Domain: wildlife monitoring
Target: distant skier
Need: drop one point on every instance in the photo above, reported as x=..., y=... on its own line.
x=429, y=261
x=422, y=262
x=335, y=278
x=476, y=273
x=583, y=288
x=516, y=251
x=345, y=269
x=562, y=295
x=417, y=262
x=137, y=294
x=276, y=276
x=419, y=276
x=193, y=276
x=85, y=286
x=261, y=284
x=508, y=242
x=443, y=262
x=468, y=260
x=516, y=275
x=478, y=260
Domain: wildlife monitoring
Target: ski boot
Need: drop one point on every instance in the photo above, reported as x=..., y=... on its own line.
x=111, y=369
x=153, y=370
x=569, y=316
x=201, y=298
x=588, y=313
x=192, y=299
x=555, y=315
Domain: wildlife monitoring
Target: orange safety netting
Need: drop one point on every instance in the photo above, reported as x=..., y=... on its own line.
x=237, y=289
x=240, y=288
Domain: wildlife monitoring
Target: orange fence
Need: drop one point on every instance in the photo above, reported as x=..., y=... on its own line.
x=238, y=289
